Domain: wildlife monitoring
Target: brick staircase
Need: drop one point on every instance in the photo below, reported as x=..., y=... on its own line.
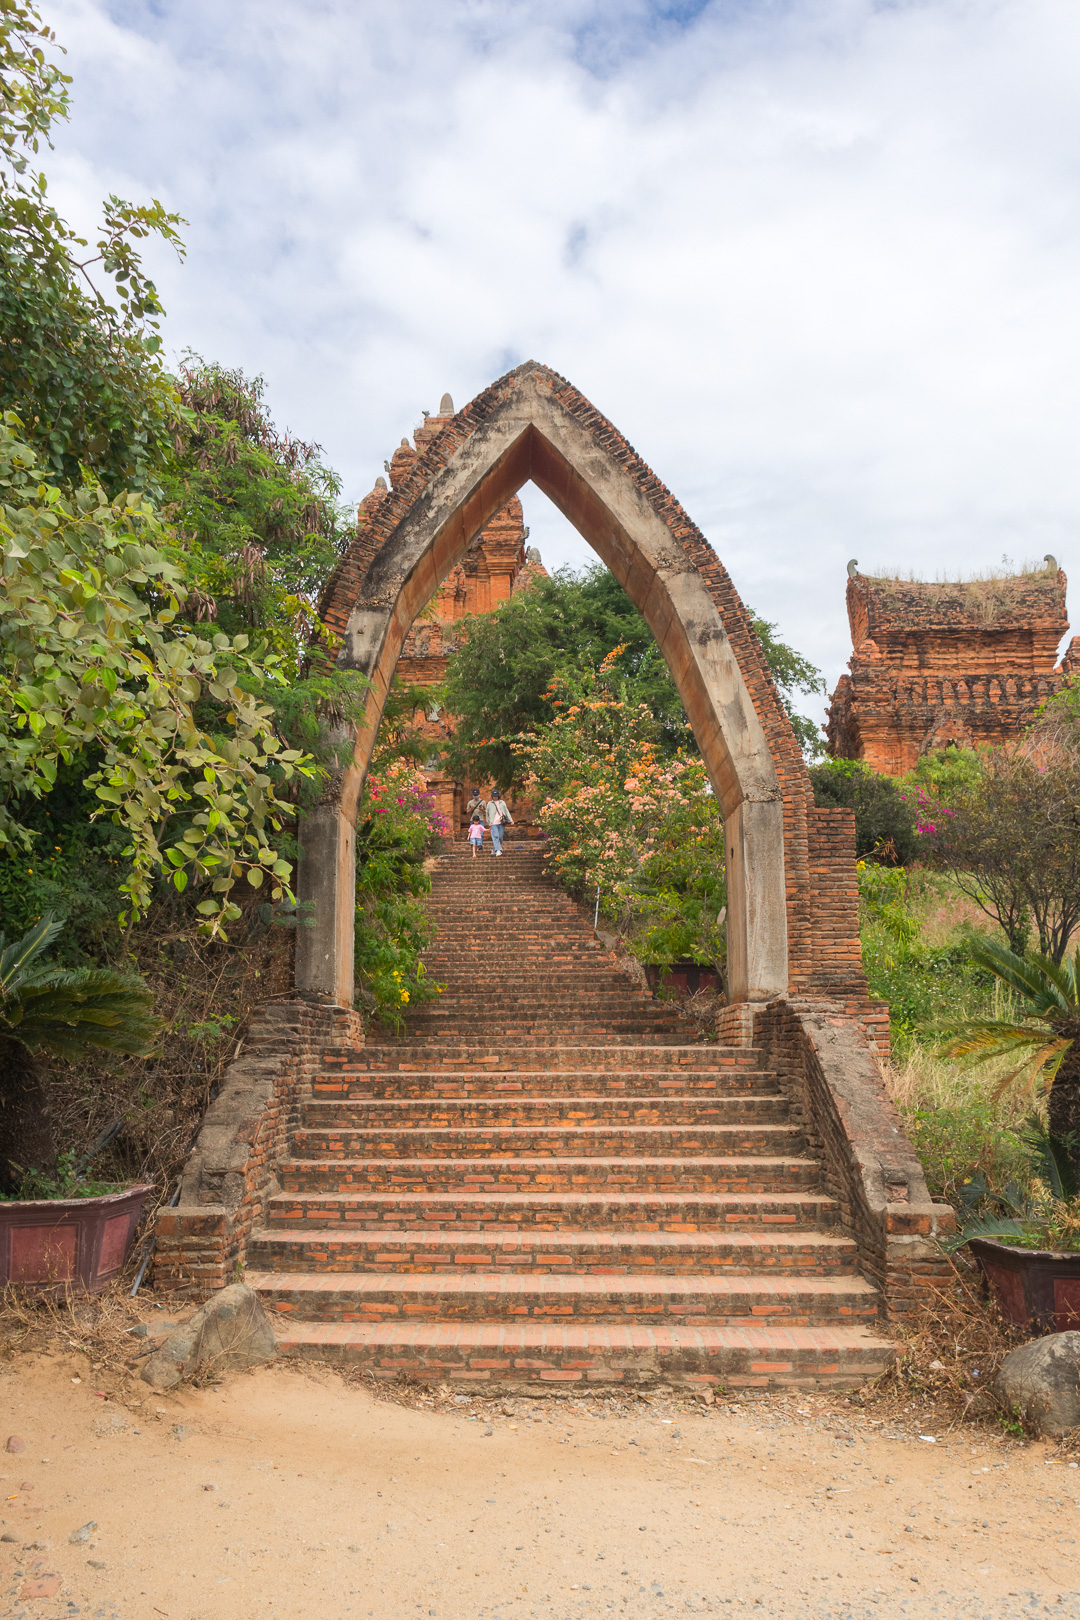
x=548, y=1181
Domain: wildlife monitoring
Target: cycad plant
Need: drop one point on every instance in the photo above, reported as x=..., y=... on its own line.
x=1044, y=1214
x=1043, y=1037
x=56, y=1012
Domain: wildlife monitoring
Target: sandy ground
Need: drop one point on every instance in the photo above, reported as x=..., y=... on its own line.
x=289, y=1493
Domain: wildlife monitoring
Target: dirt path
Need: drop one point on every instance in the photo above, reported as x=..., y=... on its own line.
x=289, y=1493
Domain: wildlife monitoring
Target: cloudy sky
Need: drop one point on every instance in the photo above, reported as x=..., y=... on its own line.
x=817, y=259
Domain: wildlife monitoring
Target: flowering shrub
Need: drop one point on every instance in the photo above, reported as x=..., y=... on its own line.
x=620, y=815
x=398, y=826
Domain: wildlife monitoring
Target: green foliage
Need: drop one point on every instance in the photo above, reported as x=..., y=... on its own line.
x=923, y=983
x=1044, y=1040
x=67, y=1180
x=884, y=821
x=621, y=813
x=397, y=828
x=945, y=770
x=256, y=513
x=499, y=682
x=969, y=1140
x=792, y=673
x=86, y=662
x=1009, y=833
x=1038, y=1210
x=73, y=868
x=58, y=1012
x=79, y=360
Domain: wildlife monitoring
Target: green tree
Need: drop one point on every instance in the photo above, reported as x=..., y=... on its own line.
x=50, y=1011
x=502, y=678
x=626, y=818
x=79, y=346
x=1010, y=837
x=884, y=812
x=92, y=659
x=256, y=513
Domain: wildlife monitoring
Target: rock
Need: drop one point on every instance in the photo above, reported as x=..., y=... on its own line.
x=111, y=1423
x=229, y=1332
x=8, y=1537
x=83, y=1533
x=182, y=1431
x=15, y=1442
x=1041, y=1383
x=43, y=1586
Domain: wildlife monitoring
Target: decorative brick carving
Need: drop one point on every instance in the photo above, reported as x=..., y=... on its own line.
x=947, y=663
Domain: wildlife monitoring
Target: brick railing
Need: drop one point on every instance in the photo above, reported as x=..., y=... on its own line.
x=202, y=1242
x=824, y=1058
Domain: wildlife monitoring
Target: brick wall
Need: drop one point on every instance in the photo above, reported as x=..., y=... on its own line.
x=825, y=1061
x=231, y=1172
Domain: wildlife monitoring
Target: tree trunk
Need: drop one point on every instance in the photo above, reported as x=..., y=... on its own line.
x=1064, y=1101
x=26, y=1138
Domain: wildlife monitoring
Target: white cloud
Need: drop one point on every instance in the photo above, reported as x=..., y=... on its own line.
x=817, y=260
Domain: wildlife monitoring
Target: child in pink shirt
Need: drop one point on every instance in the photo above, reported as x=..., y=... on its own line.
x=476, y=835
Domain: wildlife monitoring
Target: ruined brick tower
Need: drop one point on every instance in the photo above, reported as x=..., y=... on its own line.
x=496, y=566
x=936, y=664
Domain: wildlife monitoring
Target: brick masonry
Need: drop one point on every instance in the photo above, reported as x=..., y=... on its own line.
x=232, y=1171
x=940, y=664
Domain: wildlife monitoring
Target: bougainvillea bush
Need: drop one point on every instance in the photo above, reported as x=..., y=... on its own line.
x=621, y=816
x=397, y=828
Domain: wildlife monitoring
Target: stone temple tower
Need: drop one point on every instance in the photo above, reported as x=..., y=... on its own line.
x=935, y=664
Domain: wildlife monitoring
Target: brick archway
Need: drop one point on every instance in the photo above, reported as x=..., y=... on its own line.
x=533, y=424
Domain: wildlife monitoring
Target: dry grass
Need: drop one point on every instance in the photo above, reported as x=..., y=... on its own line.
x=94, y=1325
x=206, y=991
x=1028, y=569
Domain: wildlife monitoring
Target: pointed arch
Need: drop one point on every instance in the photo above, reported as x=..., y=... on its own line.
x=534, y=425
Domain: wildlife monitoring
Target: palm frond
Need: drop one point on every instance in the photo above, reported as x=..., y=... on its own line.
x=1054, y=1159
x=16, y=957
x=65, y=1012
x=982, y=1038
x=1048, y=987
x=1041, y=1065
x=989, y=1226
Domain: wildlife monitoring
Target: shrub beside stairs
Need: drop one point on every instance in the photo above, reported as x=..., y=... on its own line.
x=550, y=1181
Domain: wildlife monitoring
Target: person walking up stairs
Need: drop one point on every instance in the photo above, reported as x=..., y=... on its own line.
x=549, y=1181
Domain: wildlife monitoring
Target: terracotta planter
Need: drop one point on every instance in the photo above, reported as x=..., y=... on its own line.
x=61, y=1243
x=1033, y=1287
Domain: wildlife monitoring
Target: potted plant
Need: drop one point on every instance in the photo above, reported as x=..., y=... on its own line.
x=1029, y=1247
x=60, y=1229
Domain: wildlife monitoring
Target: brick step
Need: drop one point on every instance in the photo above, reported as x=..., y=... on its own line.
x=542, y=1358
x=600, y=988
x=602, y=1141
x=425, y=1026
x=433, y=1085
x=575, y=1000
x=824, y=1254
x=752, y=1173
x=558, y=1113
x=624, y=1054
x=508, y=1296
x=528, y=1057
x=624, y=1211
